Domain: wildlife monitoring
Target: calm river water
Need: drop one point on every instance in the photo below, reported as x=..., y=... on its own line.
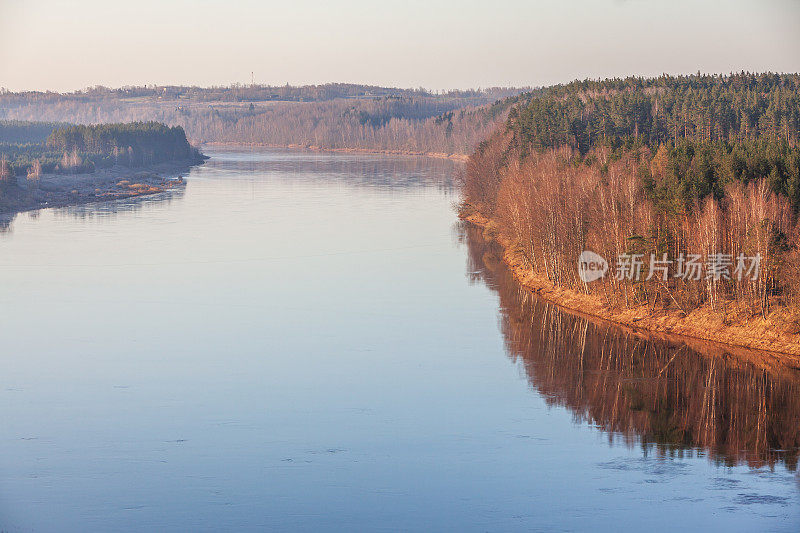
x=306, y=341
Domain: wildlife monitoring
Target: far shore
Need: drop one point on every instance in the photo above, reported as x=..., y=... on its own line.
x=437, y=155
x=768, y=339
x=114, y=183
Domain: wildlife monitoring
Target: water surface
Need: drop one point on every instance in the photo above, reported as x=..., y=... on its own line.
x=310, y=341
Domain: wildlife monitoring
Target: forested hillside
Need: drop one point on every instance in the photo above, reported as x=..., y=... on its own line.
x=333, y=116
x=653, y=174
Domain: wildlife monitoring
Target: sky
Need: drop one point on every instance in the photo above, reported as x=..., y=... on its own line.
x=68, y=45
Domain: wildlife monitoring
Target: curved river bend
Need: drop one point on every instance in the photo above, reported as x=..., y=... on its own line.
x=311, y=341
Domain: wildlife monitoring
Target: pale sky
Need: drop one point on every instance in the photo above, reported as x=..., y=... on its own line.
x=67, y=45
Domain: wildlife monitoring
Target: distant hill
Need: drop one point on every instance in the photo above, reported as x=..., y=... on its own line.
x=333, y=116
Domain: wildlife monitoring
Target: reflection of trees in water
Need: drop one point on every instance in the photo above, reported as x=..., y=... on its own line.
x=667, y=395
x=370, y=170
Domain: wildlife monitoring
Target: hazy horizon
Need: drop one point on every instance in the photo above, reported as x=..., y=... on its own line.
x=52, y=45
x=398, y=87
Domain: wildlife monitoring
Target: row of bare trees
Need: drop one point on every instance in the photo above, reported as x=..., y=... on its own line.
x=553, y=205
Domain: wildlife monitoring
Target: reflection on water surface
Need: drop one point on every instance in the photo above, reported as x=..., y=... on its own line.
x=291, y=344
x=673, y=397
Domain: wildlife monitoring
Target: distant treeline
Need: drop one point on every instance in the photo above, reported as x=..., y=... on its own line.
x=250, y=93
x=325, y=116
x=683, y=166
x=50, y=147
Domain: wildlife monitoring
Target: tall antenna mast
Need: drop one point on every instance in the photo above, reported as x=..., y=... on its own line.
x=252, y=78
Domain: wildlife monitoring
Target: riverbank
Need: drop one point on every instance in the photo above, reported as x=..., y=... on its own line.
x=115, y=183
x=776, y=334
x=313, y=148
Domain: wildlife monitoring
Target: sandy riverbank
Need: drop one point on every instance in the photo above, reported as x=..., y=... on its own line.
x=61, y=190
x=773, y=334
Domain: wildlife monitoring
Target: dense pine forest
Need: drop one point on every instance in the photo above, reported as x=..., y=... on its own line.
x=652, y=173
x=332, y=116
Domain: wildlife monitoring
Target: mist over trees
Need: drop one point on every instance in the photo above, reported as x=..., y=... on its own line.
x=669, y=167
x=24, y=132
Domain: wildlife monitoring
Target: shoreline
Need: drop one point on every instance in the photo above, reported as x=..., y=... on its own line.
x=702, y=324
x=312, y=148
x=107, y=184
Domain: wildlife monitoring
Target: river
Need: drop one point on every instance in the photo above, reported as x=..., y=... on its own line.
x=311, y=341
